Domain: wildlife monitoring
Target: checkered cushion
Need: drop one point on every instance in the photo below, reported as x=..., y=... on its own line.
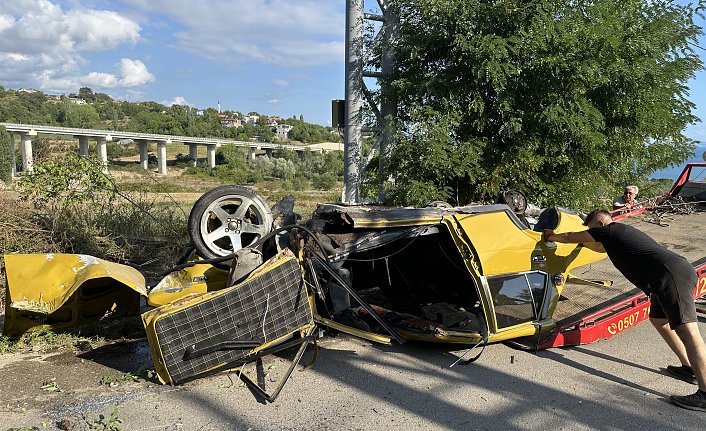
x=266, y=308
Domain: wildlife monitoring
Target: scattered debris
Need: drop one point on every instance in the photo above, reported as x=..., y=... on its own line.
x=51, y=386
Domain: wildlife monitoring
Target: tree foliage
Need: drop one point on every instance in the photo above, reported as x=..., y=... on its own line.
x=561, y=99
x=6, y=159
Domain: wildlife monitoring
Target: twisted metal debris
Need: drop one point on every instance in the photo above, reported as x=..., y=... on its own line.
x=661, y=213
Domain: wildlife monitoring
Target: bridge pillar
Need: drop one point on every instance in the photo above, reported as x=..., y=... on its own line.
x=268, y=152
x=83, y=146
x=162, y=158
x=144, y=154
x=300, y=153
x=194, y=153
x=252, y=153
x=14, y=155
x=102, y=151
x=27, y=162
x=211, y=155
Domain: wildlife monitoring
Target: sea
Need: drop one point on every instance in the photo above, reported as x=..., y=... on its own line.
x=673, y=172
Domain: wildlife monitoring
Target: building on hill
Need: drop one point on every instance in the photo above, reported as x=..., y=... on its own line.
x=283, y=131
x=230, y=122
x=251, y=119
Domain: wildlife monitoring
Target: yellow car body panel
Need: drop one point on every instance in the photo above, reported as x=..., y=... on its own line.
x=55, y=291
x=197, y=279
x=500, y=244
x=503, y=247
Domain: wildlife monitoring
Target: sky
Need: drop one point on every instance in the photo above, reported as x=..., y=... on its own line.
x=275, y=57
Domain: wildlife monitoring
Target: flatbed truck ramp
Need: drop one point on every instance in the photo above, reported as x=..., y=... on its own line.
x=600, y=303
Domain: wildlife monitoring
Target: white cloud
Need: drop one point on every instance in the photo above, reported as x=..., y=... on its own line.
x=273, y=101
x=100, y=30
x=177, y=100
x=130, y=73
x=134, y=73
x=282, y=32
x=280, y=83
x=6, y=21
x=41, y=46
x=99, y=79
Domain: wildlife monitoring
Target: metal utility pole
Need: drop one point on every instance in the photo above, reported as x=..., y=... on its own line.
x=354, y=101
x=356, y=91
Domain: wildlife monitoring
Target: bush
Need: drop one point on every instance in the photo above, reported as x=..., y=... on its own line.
x=6, y=159
x=255, y=177
x=263, y=165
x=152, y=161
x=81, y=209
x=183, y=161
x=284, y=169
x=115, y=151
x=296, y=184
x=326, y=181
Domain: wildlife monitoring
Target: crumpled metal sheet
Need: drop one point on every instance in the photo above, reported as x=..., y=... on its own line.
x=53, y=291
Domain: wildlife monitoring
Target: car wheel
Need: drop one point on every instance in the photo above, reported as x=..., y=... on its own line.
x=226, y=219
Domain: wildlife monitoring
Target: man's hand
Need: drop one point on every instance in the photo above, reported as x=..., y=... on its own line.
x=546, y=233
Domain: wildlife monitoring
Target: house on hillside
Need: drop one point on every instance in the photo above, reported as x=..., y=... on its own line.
x=251, y=119
x=283, y=131
x=231, y=122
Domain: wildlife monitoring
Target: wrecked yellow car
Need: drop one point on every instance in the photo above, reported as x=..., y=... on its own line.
x=260, y=281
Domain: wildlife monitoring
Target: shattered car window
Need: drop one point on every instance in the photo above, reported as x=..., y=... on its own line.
x=513, y=299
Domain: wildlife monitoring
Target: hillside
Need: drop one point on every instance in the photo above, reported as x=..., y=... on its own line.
x=99, y=111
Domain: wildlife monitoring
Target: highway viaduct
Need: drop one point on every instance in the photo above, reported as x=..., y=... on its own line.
x=27, y=132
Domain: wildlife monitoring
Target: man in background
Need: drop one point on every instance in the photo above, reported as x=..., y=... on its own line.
x=627, y=200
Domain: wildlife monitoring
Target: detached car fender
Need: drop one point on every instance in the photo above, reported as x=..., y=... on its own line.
x=55, y=291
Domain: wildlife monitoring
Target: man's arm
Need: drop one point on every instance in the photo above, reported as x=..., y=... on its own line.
x=582, y=237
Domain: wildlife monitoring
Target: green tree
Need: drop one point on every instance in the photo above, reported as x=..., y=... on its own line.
x=86, y=94
x=81, y=116
x=559, y=98
x=6, y=160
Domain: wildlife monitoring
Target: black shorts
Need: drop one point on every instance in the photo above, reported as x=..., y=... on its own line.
x=672, y=295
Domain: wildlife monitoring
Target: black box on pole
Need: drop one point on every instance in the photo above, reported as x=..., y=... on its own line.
x=338, y=113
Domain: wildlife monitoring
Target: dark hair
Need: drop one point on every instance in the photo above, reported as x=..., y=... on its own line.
x=594, y=214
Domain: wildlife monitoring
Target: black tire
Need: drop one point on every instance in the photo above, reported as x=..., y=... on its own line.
x=219, y=225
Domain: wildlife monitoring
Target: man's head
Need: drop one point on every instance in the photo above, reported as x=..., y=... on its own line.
x=630, y=193
x=598, y=218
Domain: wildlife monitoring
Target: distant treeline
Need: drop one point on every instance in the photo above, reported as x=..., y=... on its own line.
x=99, y=111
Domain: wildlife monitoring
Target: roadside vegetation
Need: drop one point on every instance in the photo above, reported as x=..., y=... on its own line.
x=566, y=101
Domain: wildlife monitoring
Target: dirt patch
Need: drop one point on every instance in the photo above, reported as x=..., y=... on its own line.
x=33, y=381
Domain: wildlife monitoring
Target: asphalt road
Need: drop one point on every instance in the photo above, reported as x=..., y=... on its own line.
x=614, y=384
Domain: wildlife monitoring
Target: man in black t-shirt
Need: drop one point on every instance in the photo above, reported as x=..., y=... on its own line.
x=667, y=278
